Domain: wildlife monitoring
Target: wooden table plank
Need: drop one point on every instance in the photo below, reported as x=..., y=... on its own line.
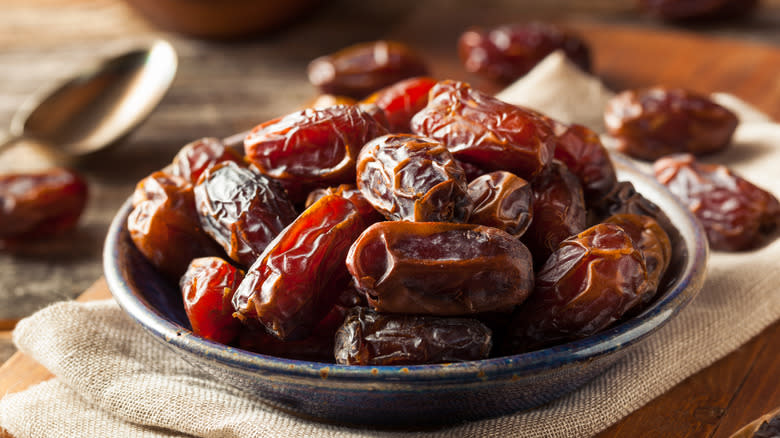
x=760, y=389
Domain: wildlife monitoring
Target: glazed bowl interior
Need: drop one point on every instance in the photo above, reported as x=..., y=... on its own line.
x=420, y=394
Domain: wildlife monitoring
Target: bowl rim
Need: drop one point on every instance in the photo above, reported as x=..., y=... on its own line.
x=680, y=293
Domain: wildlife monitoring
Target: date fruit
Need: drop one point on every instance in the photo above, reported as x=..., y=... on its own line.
x=164, y=224
x=42, y=204
x=407, y=177
x=485, y=131
x=370, y=338
x=318, y=347
x=654, y=122
x=207, y=288
x=588, y=283
x=654, y=243
x=736, y=214
x=359, y=70
x=196, y=157
x=440, y=268
x=316, y=147
x=241, y=210
x=502, y=200
x=351, y=192
x=299, y=276
x=580, y=149
x=508, y=52
x=559, y=211
x=624, y=199
x=401, y=101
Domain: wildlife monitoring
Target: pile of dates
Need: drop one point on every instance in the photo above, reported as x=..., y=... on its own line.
x=426, y=223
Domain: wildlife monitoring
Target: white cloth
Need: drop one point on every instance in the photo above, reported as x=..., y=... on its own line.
x=112, y=379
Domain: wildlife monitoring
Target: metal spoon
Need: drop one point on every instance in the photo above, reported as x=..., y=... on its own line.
x=99, y=105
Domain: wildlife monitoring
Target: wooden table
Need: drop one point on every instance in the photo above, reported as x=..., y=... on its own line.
x=225, y=88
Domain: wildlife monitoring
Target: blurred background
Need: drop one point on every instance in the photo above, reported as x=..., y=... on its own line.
x=226, y=86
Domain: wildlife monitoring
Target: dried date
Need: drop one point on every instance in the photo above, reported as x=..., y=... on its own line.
x=440, y=268
x=351, y=192
x=314, y=147
x=407, y=177
x=369, y=338
x=580, y=149
x=207, y=288
x=358, y=70
x=736, y=214
x=43, y=204
x=164, y=224
x=299, y=276
x=502, y=200
x=653, y=241
x=194, y=158
x=241, y=210
x=654, y=122
x=559, y=211
x=624, y=199
x=485, y=131
x=588, y=283
x=317, y=347
x=508, y=52
x=401, y=101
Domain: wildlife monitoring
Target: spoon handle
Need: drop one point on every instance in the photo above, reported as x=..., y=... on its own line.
x=7, y=140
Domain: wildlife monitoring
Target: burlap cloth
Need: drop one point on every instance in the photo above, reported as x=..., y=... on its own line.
x=115, y=380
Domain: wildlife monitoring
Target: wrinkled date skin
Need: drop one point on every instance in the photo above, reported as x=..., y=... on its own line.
x=624, y=199
x=502, y=200
x=401, y=101
x=299, y=276
x=736, y=214
x=315, y=147
x=351, y=192
x=580, y=149
x=440, y=268
x=37, y=205
x=588, y=283
x=697, y=9
x=359, y=70
x=559, y=211
x=164, y=224
x=407, y=177
x=508, y=52
x=241, y=210
x=207, y=288
x=654, y=122
x=654, y=243
x=370, y=338
x=196, y=157
x=318, y=347
x=485, y=131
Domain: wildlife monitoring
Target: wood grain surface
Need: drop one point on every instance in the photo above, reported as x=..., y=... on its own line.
x=226, y=88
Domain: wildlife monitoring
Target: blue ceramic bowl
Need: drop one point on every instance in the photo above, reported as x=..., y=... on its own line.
x=410, y=395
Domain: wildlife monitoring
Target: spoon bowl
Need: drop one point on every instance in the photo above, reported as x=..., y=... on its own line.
x=99, y=105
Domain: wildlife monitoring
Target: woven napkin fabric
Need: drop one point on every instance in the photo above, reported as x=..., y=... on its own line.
x=112, y=379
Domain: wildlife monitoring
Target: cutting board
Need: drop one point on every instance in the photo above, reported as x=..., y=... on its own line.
x=739, y=388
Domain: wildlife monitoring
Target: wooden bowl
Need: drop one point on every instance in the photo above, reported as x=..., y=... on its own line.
x=221, y=19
